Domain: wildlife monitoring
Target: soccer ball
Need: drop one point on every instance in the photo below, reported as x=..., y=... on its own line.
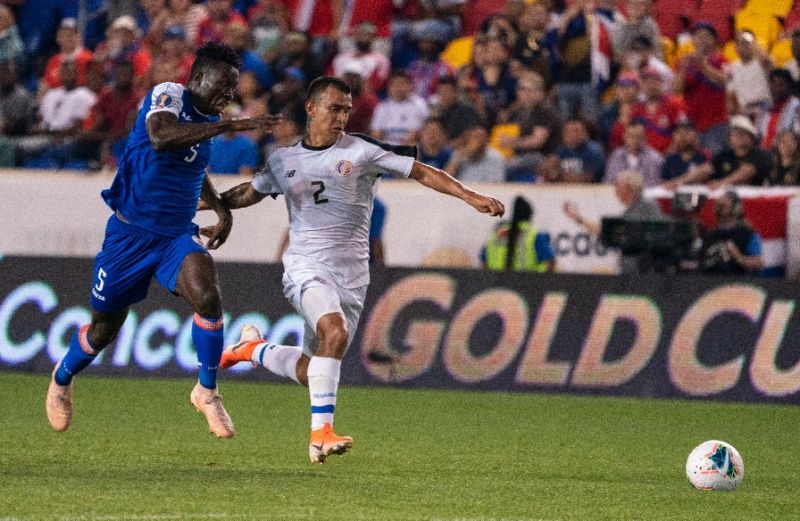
x=715, y=465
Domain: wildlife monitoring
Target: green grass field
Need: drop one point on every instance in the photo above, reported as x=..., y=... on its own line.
x=138, y=451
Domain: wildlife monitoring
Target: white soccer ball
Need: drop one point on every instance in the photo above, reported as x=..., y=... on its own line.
x=715, y=465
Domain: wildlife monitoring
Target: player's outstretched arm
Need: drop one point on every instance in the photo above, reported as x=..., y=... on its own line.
x=442, y=182
x=166, y=133
x=218, y=233
x=241, y=196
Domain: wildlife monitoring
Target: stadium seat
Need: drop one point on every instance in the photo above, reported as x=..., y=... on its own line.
x=792, y=19
x=681, y=7
x=507, y=129
x=668, y=45
x=765, y=26
x=729, y=51
x=773, y=7
x=781, y=52
x=458, y=53
x=671, y=24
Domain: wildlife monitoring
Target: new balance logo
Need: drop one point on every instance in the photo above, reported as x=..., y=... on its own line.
x=290, y=173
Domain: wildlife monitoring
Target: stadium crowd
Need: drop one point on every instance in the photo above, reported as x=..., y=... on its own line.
x=490, y=90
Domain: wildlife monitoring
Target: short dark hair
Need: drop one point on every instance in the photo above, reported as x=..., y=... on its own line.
x=211, y=54
x=319, y=85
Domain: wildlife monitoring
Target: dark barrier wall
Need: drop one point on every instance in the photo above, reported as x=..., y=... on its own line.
x=660, y=336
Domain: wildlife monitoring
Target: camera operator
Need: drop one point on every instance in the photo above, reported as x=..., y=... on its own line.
x=628, y=187
x=732, y=247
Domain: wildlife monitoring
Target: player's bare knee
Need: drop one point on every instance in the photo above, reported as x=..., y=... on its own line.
x=208, y=304
x=332, y=336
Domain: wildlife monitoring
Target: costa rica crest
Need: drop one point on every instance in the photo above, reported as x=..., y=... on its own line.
x=344, y=168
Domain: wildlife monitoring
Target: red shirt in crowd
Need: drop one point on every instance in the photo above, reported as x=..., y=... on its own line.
x=312, y=16
x=706, y=102
x=660, y=120
x=52, y=71
x=377, y=12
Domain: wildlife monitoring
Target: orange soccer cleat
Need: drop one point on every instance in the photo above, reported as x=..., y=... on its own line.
x=325, y=442
x=242, y=351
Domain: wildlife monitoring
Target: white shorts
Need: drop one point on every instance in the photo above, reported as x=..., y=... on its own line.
x=316, y=296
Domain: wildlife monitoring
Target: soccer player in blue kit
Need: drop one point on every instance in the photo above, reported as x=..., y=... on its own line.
x=154, y=197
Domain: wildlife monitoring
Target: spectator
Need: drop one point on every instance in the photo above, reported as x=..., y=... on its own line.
x=732, y=247
x=456, y=115
x=748, y=88
x=145, y=13
x=374, y=66
x=236, y=36
x=433, y=148
x=70, y=49
x=428, y=68
x=578, y=159
x=783, y=111
x=686, y=158
x=297, y=59
x=63, y=111
x=744, y=162
x=615, y=116
x=180, y=13
x=11, y=46
x=635, y=155
x=702, y=77
x=174, y=56
x=232, y=152
x=398, y=119
x=285, y=133
x=376, y=12
x=785, y=160
x=518, y=245
x=17, y=107
x=319, y=21
x=576, y=93
x=111, y=118
x=495, y=83
x=539, y=128
x=475, y=161
x=253, y=102
x=219, y=15
x=660, y=113
x=640, y=24
x=629, y=189
x=643, y=56
x=792, y=65
x=123, y=45
x=364, y=100
x=536, y=48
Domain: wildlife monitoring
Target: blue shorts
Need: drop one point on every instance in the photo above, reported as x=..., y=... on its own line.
x=130, y=257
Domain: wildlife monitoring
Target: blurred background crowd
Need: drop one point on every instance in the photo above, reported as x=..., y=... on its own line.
x=681, y=91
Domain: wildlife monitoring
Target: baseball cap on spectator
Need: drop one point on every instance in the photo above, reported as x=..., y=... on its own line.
x=743, y=123
x=628, y=79
x=175, y=32
x=125, y=22
x=294, y=73
x=708, y=26
x=68, y=23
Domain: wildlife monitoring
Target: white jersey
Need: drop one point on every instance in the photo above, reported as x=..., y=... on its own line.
x=329, y=194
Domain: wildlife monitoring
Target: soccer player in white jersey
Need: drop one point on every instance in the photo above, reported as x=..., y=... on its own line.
x=327, y=181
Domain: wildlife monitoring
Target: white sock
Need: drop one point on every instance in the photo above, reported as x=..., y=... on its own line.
x=278, y=359
x=323, y=382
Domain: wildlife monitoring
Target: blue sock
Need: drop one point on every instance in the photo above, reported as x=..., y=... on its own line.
x=79, y=355
x=207, y=335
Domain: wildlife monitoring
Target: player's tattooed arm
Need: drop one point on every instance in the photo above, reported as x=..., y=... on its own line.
x=167, y=133
x=443, y=182
x=241, y=196
x=218, y=233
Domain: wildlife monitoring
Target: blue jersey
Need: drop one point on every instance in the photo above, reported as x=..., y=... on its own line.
x=158, y=191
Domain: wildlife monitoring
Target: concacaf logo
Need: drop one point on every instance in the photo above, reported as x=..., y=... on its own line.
x=163, y=101
x=344, y=167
